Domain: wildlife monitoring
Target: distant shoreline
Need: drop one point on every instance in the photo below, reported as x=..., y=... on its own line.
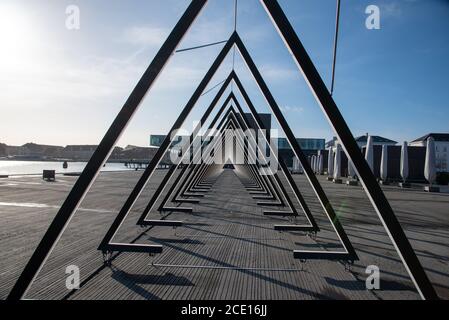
x=9, y=167
x=57, y=160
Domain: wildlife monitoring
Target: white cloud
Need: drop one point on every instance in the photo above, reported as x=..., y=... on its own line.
x=292, y=109
x=392, y=9
x=276, y=73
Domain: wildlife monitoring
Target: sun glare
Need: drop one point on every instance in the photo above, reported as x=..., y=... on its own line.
x=17, y=37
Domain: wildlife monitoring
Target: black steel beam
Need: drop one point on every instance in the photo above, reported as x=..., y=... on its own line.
x=320, y=255
x=294, y=227
x=341, y=129
x=162, y=223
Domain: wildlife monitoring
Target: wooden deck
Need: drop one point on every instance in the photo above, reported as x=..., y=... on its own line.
x=227, y=249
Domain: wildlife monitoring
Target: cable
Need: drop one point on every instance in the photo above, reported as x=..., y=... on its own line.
x=202, y=46
x=337, y=23
x=235, y=29
x=213, y=87
x=235, y=15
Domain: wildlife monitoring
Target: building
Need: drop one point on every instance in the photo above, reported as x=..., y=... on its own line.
x=31, y=151
x=304, y=143
x=13, y=151
x=264, y=117
x=156, y=140
x=441, y=149
x=3, y=148
x=332, y=143
x=377, y=141
x=311, y=143
x=362, y=140
x=79, y=152
x=35, y=150
x=309, y=146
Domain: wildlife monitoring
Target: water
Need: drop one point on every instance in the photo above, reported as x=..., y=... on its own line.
x=8, y=167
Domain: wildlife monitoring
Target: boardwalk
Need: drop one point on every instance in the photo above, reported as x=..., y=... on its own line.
x=226, y=250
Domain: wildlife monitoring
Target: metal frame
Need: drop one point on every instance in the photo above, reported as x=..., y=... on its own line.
x=106, y=245
x=170, y=173
x=142, y=220
x=265, y=184
x=146, y=175
x=313, y=226
x=231, y=109
x=322, y=95
x=175, y=198
x=284, y=195
x=349, y=254
x=239, y=119
x=336, y=120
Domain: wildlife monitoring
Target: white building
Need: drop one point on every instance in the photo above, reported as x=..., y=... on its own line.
x=441, y=149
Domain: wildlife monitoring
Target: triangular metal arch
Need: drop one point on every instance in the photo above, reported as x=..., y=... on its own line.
x=283, y=192
x=187, y=181
x=286, y=31
x=265, y=184
x=284, y=169
x=288, y=176
x=156, y=195
x=107, y=245
x=244, y=124
x=292, y=210
x=170, y=173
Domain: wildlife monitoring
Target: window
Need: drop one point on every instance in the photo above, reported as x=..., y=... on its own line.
x=444, y=165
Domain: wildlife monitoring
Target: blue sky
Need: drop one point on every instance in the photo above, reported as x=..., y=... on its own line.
x=65, y=87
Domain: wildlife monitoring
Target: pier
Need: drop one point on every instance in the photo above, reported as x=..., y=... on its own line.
x=140, y=165
x=226, y=248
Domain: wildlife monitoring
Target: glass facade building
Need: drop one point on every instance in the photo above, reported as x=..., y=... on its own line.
x=304, y=143
x=156, y=140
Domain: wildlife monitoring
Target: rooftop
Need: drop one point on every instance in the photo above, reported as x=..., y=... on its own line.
x=377, y=139
x=435, y=136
